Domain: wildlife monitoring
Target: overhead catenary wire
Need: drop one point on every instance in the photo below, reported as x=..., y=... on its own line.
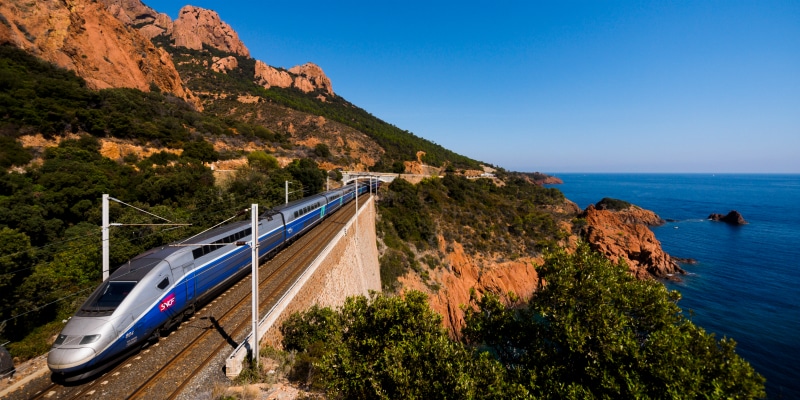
x=129, y=240
x=90, y=235
x=43, y=306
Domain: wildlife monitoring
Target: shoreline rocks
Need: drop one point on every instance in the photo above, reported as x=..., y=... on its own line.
x=624, y=233
x=733, y=218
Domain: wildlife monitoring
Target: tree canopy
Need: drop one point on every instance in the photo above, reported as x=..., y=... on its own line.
x=594, y=331
x=590, y=331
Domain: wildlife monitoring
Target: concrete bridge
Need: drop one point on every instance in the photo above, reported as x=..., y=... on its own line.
x=387, y=177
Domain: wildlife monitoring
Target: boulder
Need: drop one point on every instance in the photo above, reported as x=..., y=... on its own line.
x=224, y=64
x=733, y=218
x=268, y=76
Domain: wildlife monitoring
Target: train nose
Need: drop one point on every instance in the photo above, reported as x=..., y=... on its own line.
x=65, y=359
x=78, y=344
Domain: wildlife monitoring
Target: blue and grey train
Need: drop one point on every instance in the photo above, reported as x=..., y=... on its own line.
x=157, y=289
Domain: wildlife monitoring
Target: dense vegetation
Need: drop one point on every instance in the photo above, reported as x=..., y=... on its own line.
x=607, y=203
x=50, y=218
x=50, y=210
x=513, y=219
x=592, y=331
x=37, y=97
x=400, y=145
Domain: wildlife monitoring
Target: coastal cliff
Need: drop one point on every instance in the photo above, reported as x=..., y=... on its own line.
x=467, y=272
x=623, y=233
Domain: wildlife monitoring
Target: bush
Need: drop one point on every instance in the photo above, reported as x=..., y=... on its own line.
x=262, y=161
x=321, y=150
x=595, y=331
x=12, y=153
x=396, y=348
x=200, y=150
x=608, y=203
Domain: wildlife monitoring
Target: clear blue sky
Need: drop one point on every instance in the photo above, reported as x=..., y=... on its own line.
x=557, y=86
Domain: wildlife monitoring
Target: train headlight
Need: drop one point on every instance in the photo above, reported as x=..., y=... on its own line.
x=89, y=339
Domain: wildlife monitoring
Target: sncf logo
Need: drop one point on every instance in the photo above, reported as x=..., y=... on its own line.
x=168, y=302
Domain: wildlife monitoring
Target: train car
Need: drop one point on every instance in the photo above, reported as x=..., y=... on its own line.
x=301, y=215
x=157, y=289
x=154, y=291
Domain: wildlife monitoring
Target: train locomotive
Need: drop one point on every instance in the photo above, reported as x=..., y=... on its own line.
x=157, y=289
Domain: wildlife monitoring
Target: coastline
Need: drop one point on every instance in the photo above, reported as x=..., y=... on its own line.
x=742, y=286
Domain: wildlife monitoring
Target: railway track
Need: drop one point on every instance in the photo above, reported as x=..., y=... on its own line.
x=155, y=374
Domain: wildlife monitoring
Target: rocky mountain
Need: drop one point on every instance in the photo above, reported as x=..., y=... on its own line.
x=82, y=36
x=197, y=27
x=194, y=28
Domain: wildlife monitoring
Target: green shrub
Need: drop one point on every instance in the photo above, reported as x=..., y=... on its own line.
x=595, y=331
x=608, y=203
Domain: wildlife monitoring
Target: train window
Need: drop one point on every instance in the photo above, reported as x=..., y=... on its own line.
x=164, y=283
x=113, y=294
x=295, y=214
x=197, y=253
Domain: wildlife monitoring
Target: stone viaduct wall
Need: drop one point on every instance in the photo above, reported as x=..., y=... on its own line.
x=347, y=267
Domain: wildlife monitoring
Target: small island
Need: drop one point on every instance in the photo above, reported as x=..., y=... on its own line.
x=733, y=218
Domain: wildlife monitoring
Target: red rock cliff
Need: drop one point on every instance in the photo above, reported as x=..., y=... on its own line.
x=464, y=273
x=625, y=234
x=82, y=36
x=197, y=26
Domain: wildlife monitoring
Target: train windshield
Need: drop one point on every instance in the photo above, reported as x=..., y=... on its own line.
x=109, y=297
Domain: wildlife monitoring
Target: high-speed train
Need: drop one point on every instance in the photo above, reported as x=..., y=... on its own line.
x=155, y=290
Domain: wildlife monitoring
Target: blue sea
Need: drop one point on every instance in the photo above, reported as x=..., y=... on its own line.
x=746, y=284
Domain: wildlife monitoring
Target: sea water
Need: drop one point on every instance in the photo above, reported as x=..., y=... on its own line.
x=746, y=284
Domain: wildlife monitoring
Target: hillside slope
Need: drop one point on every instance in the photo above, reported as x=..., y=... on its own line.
x=81, y=36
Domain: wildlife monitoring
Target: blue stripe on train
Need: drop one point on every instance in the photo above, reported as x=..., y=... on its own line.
x=144, y=326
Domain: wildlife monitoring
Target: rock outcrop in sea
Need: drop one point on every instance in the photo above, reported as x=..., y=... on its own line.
x=624, y=234
x=733, y=218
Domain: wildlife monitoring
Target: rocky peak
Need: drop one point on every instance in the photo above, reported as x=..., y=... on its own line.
x=81, y=35
x=310, y=77
x=307, y=77
x=268, y=76
x=135, y=14
x=197, y=26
